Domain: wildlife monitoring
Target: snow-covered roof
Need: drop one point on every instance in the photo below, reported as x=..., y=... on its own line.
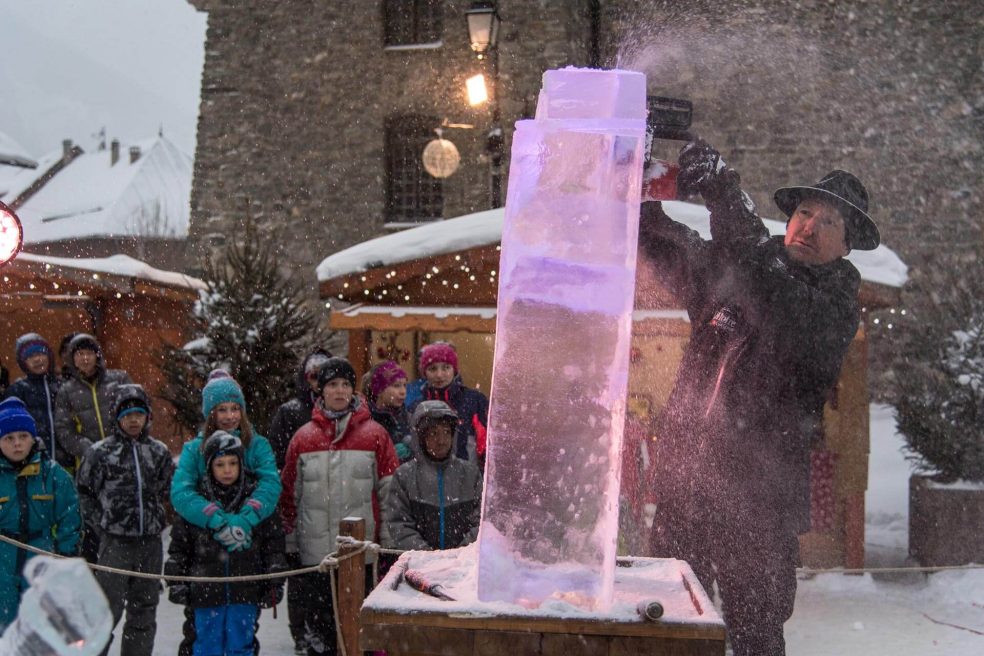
x=90, y=197
x=881, y=265
x=117, y=265
x=13, y=160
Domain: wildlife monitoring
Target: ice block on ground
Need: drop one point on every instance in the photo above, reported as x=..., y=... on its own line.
x=567, y=277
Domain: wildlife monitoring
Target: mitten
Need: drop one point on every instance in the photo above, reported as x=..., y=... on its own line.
x=179, y=593
x=403, y=452
x=216, y=518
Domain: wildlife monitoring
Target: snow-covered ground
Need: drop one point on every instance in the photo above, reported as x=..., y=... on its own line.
x=836, y=614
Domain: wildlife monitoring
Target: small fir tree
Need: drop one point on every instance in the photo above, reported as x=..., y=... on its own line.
x=250, y=321
x=940, y=378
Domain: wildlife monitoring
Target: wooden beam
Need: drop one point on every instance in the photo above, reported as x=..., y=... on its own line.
x=410, y=322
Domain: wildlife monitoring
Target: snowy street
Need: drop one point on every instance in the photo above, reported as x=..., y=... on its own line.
x=887, y=615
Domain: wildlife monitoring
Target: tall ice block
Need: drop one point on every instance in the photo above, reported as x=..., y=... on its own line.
x=567, y=280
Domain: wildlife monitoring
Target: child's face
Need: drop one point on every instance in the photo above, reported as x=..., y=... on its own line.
x=439, y=374
x=85, y=361
x=225, y=469
x=227, y=416
x=337, y=394
x=133, y=423
x=37, y=364
x=15, y=446
x=394, y=395
x=438, y=439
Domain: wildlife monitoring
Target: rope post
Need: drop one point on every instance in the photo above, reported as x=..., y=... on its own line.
x=351, y=583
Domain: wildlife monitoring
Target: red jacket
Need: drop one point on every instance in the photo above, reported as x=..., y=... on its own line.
x=328, y=476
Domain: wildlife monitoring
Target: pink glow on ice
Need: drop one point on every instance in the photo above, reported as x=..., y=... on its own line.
x=563, y=330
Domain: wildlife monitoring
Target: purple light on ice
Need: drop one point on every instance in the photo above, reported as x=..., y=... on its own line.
x=559, y=382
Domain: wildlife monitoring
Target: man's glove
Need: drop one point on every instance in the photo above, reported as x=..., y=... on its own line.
x=403, y=452
x=702, y=171
x=274, y=595
x=179, y=593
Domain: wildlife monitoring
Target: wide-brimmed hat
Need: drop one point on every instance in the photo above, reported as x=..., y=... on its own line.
x=845, y=192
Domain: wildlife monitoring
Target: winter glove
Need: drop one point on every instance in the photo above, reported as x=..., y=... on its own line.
x=180, y=594
x=249, y=517
x=403, y=452
x=274, y=595
x=217, y=519
x=702, y=171
x=234, y=538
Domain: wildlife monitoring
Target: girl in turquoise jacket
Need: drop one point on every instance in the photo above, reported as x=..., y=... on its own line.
x=38, y=504
x=224, y=407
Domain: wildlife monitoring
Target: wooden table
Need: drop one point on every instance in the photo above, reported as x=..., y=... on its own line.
x=405, y=622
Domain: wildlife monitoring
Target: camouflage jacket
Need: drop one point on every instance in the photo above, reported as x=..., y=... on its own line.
x=123, y=483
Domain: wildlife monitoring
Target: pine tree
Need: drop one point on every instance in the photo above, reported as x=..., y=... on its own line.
x=940, y=381
x=250, y=321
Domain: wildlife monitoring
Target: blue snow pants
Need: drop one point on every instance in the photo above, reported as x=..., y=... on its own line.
x=225, y=630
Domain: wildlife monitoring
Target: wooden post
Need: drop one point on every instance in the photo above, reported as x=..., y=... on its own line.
x=351, y=584
x=360, y=341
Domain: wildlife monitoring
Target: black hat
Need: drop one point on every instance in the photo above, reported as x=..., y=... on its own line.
x=845, y=192
x=221, y=443
x=335, y=368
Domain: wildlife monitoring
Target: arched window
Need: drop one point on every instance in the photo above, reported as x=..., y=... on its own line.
x=412, y=194
x=411, y=22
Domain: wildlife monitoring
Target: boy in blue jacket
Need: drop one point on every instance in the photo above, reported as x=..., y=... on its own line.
x=38, y=486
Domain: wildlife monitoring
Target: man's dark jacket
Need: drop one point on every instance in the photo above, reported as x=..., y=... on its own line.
x=768, y=336
x=293, y=414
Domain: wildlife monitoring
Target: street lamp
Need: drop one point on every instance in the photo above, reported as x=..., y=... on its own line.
x=483, y=34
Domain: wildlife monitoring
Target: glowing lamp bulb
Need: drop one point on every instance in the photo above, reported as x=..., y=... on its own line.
x=477, y=93
x=11, y=234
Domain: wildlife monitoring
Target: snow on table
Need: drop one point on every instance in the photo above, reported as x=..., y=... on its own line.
x=687, y=609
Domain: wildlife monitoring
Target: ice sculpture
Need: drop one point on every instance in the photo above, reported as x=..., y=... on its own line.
x=567, y=278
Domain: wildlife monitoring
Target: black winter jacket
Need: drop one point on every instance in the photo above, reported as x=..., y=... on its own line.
x=768, y=336
x=293, y=414
x=397, y=424
x=194, y=552
x=38, y=394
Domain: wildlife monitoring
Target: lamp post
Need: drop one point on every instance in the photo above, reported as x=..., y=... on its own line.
x=483, y=34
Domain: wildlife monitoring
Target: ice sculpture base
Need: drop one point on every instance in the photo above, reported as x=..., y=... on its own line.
x=401, y=620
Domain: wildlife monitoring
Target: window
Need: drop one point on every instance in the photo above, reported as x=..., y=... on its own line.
x=411, y=22
x=412, y=194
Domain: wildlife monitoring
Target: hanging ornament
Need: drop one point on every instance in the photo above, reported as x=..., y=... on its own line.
x=441, y=158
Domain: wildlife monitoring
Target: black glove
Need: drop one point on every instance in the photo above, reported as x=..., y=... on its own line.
x=179, y=593
x=274, y=595
x=701, y=169
x=651, y=211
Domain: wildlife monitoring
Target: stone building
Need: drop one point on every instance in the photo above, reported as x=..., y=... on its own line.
x=313, y=114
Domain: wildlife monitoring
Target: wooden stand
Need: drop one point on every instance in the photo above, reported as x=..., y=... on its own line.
x=403, y=627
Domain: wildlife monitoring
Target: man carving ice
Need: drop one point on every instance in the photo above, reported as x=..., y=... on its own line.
x=771, y=320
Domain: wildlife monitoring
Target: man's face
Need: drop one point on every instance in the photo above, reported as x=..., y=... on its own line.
x=85, y=361
x=133, y=423
x=15, y=446
x=815, y=233
x=37, y=364
x=337, y=394
x=439, y=374
x=438, y=439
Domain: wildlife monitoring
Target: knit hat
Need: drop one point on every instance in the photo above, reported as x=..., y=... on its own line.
x=221, y=388
x=385, y=374
x=438, y=352
x=336, y=368
x=221, y=443
x=315, y=361
x=32, y=344
x=14, y=417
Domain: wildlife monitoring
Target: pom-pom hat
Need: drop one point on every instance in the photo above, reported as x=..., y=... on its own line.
x=221, y=388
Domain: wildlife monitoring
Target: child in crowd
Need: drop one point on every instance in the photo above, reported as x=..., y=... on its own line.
x=225, y=614
x=38, y=504
x=224, y=408
x=339, y=464
x=38, y=389
x=439, y=362
x=122, y=484
x=386, y=390
x=435, y=499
